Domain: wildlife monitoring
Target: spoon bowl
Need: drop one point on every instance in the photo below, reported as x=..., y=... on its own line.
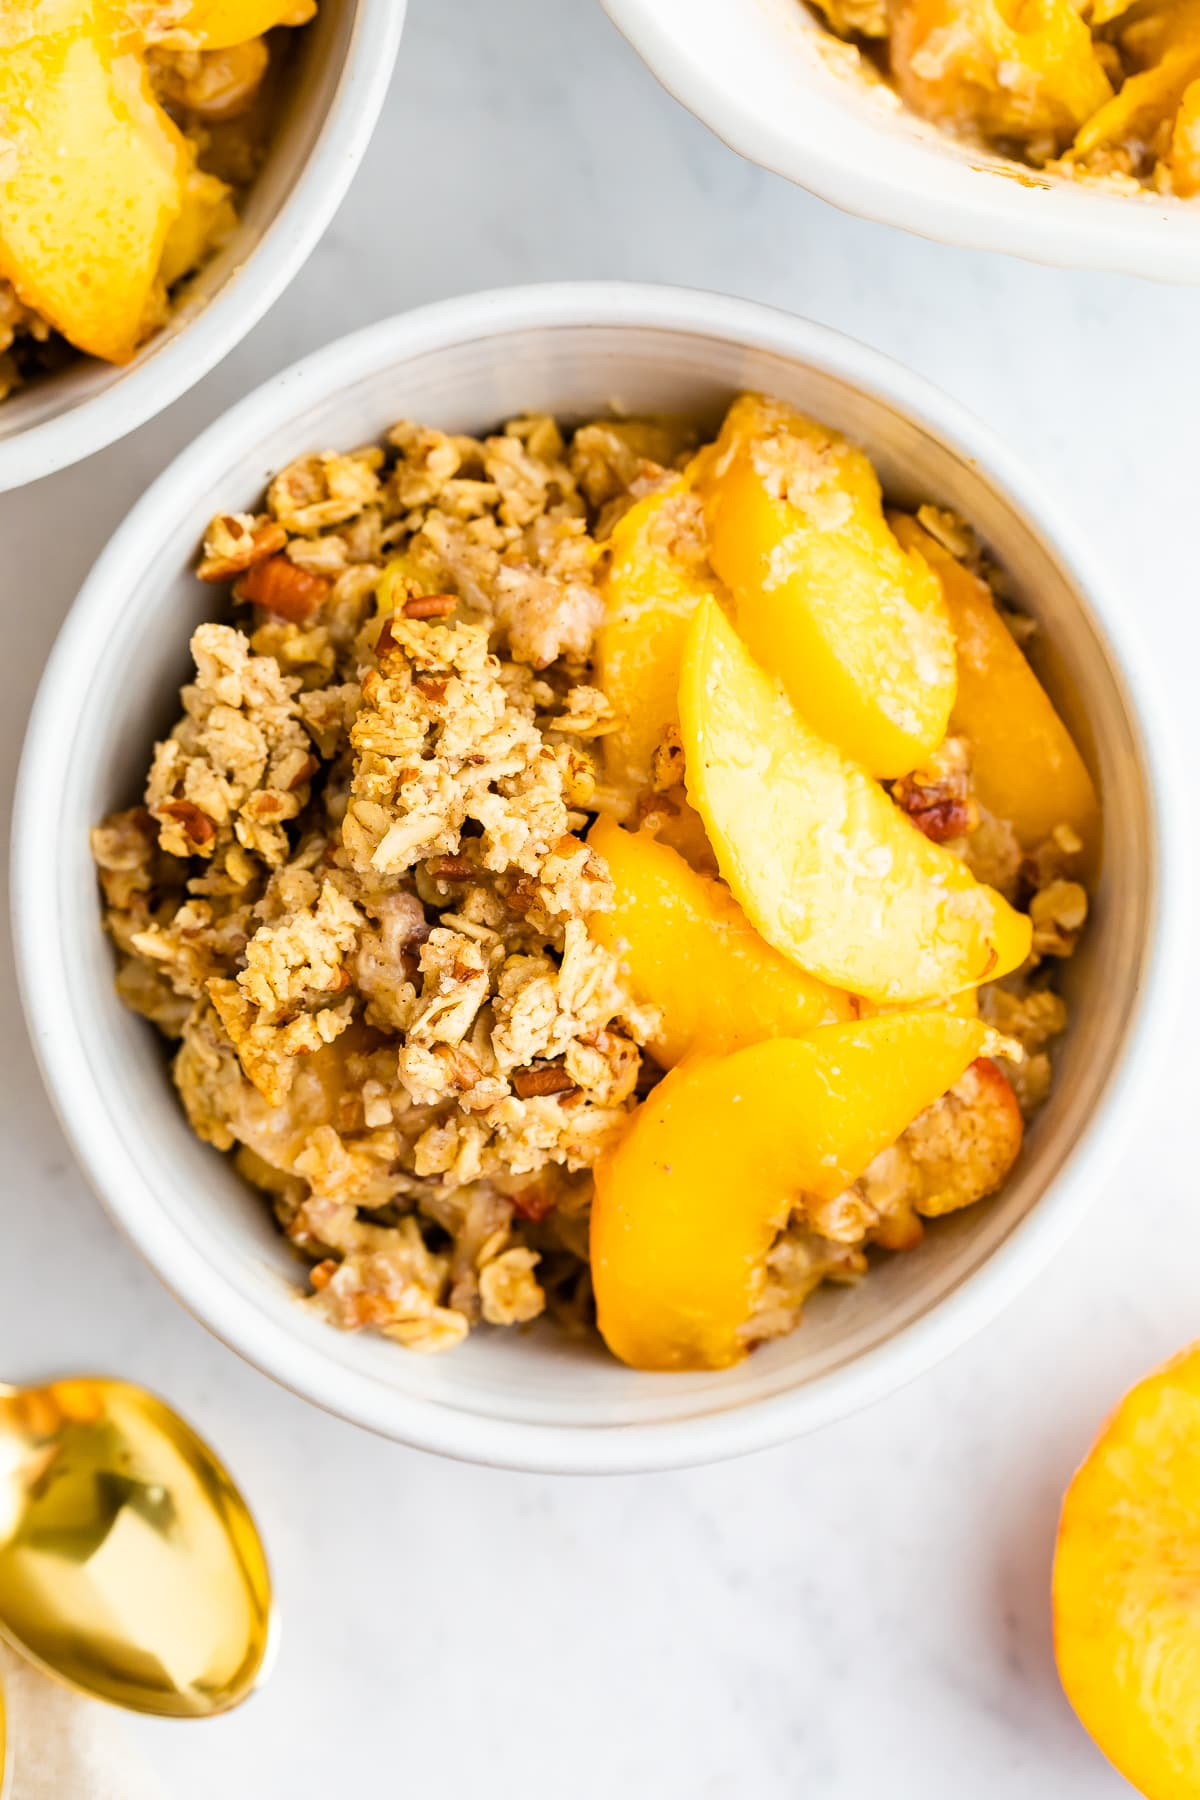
x=130, y=1565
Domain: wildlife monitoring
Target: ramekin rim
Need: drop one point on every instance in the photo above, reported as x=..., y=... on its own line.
x=977, y=208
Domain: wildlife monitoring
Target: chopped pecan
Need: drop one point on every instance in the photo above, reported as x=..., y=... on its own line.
x=235, y=545
x=449, y=868
x=937, y=798
x=279, y=587
x=304, y=772
x=462, y=1070
x=197, y=827
x=534, y=1084
x=430, y=606
x=522, y=895
x=939, y=819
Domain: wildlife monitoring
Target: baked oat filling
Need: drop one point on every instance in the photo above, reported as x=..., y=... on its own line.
x=438, y=896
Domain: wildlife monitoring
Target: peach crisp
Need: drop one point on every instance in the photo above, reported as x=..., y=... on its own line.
x=130, y=128
x=1094, y=89
x=604, y=873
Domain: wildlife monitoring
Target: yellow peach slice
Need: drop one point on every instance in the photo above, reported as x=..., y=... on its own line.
x=1024, y=763
x=216, y=24
x=689, y=1202
x=1184, y=156
x=656, y=577
x=1022, y=72
x=207, y=218
x=824, y=595
x=825, y=866
x=91, y=179
x=1126, y=1592
x=691, y=951
x=1144, y=104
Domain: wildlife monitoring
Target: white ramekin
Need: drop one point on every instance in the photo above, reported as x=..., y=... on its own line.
x=531, y=1400
x=770, y=81
x=335, y=90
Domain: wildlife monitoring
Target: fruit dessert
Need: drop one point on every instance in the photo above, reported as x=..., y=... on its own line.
x=605, y=874
x=131, y=127
x=1126, y=1602
x=1106, y=89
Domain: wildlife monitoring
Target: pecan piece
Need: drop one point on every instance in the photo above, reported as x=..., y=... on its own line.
x=937, y=798
x=197, y=828
x=279, y=587
x=242, y=545
x=449, y=868
x=940, y=819
x=430, y=606
x=534, y=1084
x=304, y=772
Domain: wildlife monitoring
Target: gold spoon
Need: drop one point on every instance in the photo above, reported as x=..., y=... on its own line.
x=130, y=1566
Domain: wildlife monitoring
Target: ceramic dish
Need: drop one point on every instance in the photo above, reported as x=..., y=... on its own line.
x=533, y=1400
x=336, y=84
x=771, y=81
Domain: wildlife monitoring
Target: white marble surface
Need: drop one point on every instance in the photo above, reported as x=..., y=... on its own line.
x=862, y=1612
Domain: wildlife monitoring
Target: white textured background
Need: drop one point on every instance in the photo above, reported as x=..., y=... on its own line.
x=864, y=1612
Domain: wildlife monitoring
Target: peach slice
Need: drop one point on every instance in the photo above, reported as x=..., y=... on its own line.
x=91, y=180
x=689, y=1202
x=691, y=951
x=1126, y=1591
x=216, y=24
x=656, y=578
x=826, y=867
x=825, y=597
x=1022, y=70
x=1024, y=763
x=207, y=218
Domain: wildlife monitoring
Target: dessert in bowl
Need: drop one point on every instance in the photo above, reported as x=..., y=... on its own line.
x=998, y=127
x=1107, y=93
x=423, y=946
x=173, y=165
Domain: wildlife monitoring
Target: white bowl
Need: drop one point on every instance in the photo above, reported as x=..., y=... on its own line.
x=761, y=74
x=335, y=89
x=532, y=1400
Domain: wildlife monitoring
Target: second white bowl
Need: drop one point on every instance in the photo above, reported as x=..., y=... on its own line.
x=767, y=77
x=533, y=1400
x=336, y=86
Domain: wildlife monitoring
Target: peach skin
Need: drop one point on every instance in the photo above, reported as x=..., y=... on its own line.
x=1126, y=1594
x=688, y=1204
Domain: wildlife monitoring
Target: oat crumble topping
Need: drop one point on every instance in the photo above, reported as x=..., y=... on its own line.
x=355, y=895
